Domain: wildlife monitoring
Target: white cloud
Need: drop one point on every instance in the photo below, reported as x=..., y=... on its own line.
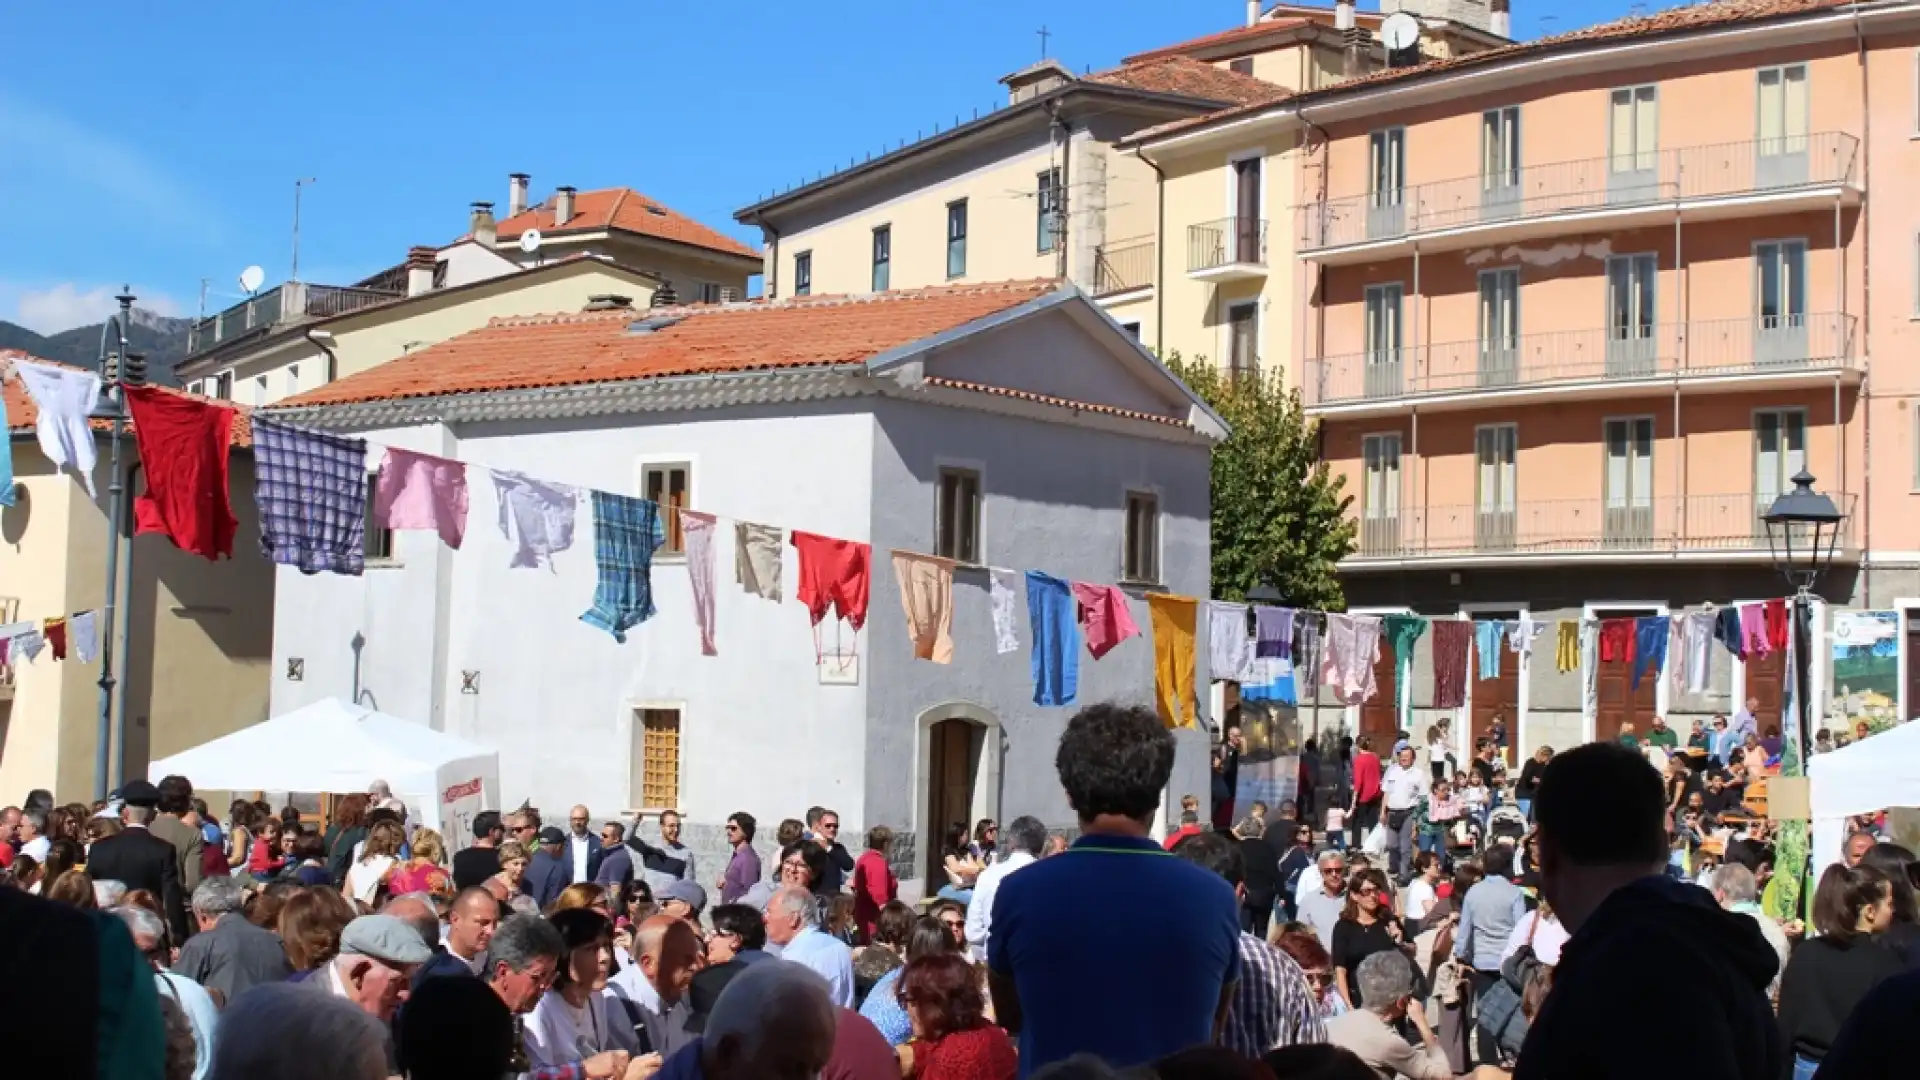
x=85, y=160
x=67, y=305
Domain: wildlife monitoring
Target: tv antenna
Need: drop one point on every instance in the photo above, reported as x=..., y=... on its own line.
x=297, y=185
x=530, y=243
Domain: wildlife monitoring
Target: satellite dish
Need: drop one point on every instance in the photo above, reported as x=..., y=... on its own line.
x=1400, y=31
x=252, y=278
x=530, y=241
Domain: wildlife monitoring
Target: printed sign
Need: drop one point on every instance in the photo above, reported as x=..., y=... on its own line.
x=459, y=805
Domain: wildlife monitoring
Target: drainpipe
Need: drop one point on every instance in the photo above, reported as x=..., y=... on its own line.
x=1063, y=261
x=1318, y=285
x=1865, y=396
x=771, y=289
x=333, y=362
x=1159, y=255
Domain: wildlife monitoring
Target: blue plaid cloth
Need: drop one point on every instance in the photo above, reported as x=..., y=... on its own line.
x=626, y=531
x=311, y=488
x=1273, y=1005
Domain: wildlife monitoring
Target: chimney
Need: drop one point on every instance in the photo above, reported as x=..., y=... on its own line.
x=1343, y=15
x=562, y=206
x=1359, y=42
x=517, y=193
x=1253, y=12
x=608, y=302
x=664, y=296
x=420, y=265
x=1502, y=21
x=481, y=225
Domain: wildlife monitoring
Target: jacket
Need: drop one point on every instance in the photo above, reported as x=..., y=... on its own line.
x=596, y=853
x=140, y=860
x=190, y=845
x=1261, y=867
x=547, y=876
x=1654, y=950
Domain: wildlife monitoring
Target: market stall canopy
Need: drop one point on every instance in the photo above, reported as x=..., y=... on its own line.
x=333, y=746
x=1879, y=772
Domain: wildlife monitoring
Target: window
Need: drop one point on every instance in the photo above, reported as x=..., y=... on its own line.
x=957, y=238
x=199, y=386
x=293, y=379
x=1047, y=221
x=1500, y=151
x=1629, y=476
x=376, y=543
x=1632, y=137
x=1243, y=341
x=1242, y=65
x=1779, y=451
x=956, y=525
x=1916, y=275
x=667, y=486
x=1783, y=110
x=654, y=782
x=1387, y=160
x=1132, y=329
x=1631, y=281
x=1495, y=448
x=223, y=386
x=1380, y=493
x=710, y=293
x=1141, y=560
x=1382, y=340
x=1499, y=326
x=882, y=258
x=803, y=273
x=259, y=391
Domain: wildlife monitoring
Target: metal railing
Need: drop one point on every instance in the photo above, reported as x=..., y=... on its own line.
x=1549, y=527
x=281, y=305
x=326, y=301
x=1715, y=347
x=1123, y=266
x=1622, y=180
x=1234, y=241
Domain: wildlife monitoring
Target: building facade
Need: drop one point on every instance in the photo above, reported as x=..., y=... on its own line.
x=913, y=421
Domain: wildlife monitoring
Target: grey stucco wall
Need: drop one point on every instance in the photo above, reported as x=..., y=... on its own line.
x=1053, y=499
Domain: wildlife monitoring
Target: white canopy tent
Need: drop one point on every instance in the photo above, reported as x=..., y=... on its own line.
x=1877, y=773
x=332, y=746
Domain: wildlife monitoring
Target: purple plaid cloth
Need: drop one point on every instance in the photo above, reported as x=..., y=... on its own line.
x=311, y=488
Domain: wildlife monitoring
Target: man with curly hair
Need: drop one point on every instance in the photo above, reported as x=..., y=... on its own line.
x=1156, y=935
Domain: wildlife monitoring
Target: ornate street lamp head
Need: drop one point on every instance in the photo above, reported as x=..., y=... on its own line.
x=1803, y=531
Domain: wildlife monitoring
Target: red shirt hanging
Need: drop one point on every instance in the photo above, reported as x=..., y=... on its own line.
x=1616, y=640
x=1776, y=615
x=834, y=572
x=183, y=453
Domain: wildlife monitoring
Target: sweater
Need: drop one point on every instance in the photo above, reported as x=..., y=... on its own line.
x=1824, y=980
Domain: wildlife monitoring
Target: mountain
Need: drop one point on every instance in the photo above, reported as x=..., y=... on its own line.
x=162, y=339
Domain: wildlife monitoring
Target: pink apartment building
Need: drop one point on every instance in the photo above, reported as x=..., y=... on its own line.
x=1575, y=311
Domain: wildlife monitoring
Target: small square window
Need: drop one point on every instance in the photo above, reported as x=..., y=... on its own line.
x=957, y=239
x=1242, y=65
x=223, y=386
x=803, y=273
x=668, y=486
x=957, y=516
x=654, y=782
x=1047, y=202
x=883, y=258
x=377, y=543
x=1141, y=560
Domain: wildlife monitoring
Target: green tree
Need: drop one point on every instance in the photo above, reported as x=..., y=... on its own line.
x=1279, y=514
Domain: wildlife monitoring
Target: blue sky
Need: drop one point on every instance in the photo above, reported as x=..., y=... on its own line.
x=158, y=144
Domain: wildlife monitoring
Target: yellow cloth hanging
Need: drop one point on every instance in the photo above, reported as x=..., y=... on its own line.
x=1567, y=654
x=1175, y=620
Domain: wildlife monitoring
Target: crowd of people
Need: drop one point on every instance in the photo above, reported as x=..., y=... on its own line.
x=1417, y=939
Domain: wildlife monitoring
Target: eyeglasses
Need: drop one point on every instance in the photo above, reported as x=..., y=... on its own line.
x=953, y=923
x=1332, y=870
x=731, y=827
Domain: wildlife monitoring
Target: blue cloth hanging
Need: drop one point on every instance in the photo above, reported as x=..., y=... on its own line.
x=1650, y=645
x=1053, y=620
x=1488, y=635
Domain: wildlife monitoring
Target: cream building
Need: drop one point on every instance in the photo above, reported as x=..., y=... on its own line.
x=196, y=637
x=554, y=256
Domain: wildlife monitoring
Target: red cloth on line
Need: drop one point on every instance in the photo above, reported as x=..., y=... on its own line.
x=834, y=572
x=1616, y=640
x=1452, y=639
x=183, y=452
x=1776, y=615
x=55, y=631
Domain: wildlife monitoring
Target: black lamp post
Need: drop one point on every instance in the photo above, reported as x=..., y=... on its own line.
x=115, y=367
x=1803, y=532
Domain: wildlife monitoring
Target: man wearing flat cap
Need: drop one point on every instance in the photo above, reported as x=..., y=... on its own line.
x=378, y=955
x=140, y=860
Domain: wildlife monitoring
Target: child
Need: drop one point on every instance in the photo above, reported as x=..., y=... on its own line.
x=1443, y=809
x=1336, y=828
x=1474, y=799
x=265, y=860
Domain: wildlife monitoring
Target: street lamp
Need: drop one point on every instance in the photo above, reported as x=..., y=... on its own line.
x=112, y=405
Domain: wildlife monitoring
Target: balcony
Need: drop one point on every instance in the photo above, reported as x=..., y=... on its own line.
x=1231, y=249
x=1721, y=354
x=286, y=305
x=1742, y=179
x=1551, y=531
x=1123, y=267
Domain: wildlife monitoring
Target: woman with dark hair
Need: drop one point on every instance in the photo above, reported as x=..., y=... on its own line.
x=952, y=1039
x=239, y=832
x=349, y=828
x=883, y=1005
x=1829, y=974
x=962, y=868
x=308, y=862
x=62, y=855
x=986, y=839
x=310, y=923
x=1367, y=926
x=1903, y=936
x=1295, y=865
x=574, y=1021
x=885, y=951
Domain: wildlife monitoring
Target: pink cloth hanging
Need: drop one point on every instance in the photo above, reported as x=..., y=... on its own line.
x=420, y=491
x=1753, y=629
x=1104, y=618
x=696, y=530
x=1347, y=662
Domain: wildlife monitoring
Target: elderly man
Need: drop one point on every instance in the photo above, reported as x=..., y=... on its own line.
x=1736, y=890
x=666, y=953
x=1026, y=838
x=792, y=925
x=1405, y=786
x=141, y=860
x=284, y=1030
x=522, y=960
x=773, y=1020
x=378, y=954
x=32, y=834
x=229, y=954
x=1320, y=898
x=150, y=937
x=1386, y=986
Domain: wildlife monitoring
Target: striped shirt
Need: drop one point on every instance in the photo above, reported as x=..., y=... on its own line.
x=1272, y=1004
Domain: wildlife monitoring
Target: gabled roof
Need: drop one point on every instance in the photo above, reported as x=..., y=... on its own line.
x=23, y=414
x=1188, y=77
x=559, y=350
x=1679, y=20
x=623, y=210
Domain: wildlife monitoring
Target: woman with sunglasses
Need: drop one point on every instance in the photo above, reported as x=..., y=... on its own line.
x=1296, y=865
x=1366, y=927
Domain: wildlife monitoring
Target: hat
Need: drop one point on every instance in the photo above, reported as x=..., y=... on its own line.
x=551, y=835
x=705, y=991
x=686, y=892
x=140, y=793
x=384, y=938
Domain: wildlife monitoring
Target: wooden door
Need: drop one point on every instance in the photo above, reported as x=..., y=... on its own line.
x=1498, y=696
x=1378, y=716
x=1617, y=702
x=1767, y=682
x=1247, y=222
x=949, y=788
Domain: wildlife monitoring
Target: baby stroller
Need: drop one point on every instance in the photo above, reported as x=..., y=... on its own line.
x=1506, y=823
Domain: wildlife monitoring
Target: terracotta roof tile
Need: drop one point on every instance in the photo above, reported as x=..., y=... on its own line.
x=1672, y=21
x=594, y=347
x=1049, y=399
x=23, y=414
x=624, y=209
x=1255, y=32
x=1192, y=78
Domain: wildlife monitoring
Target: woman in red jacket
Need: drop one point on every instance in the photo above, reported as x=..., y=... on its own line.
x=874, y=885
x=1364, y=812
